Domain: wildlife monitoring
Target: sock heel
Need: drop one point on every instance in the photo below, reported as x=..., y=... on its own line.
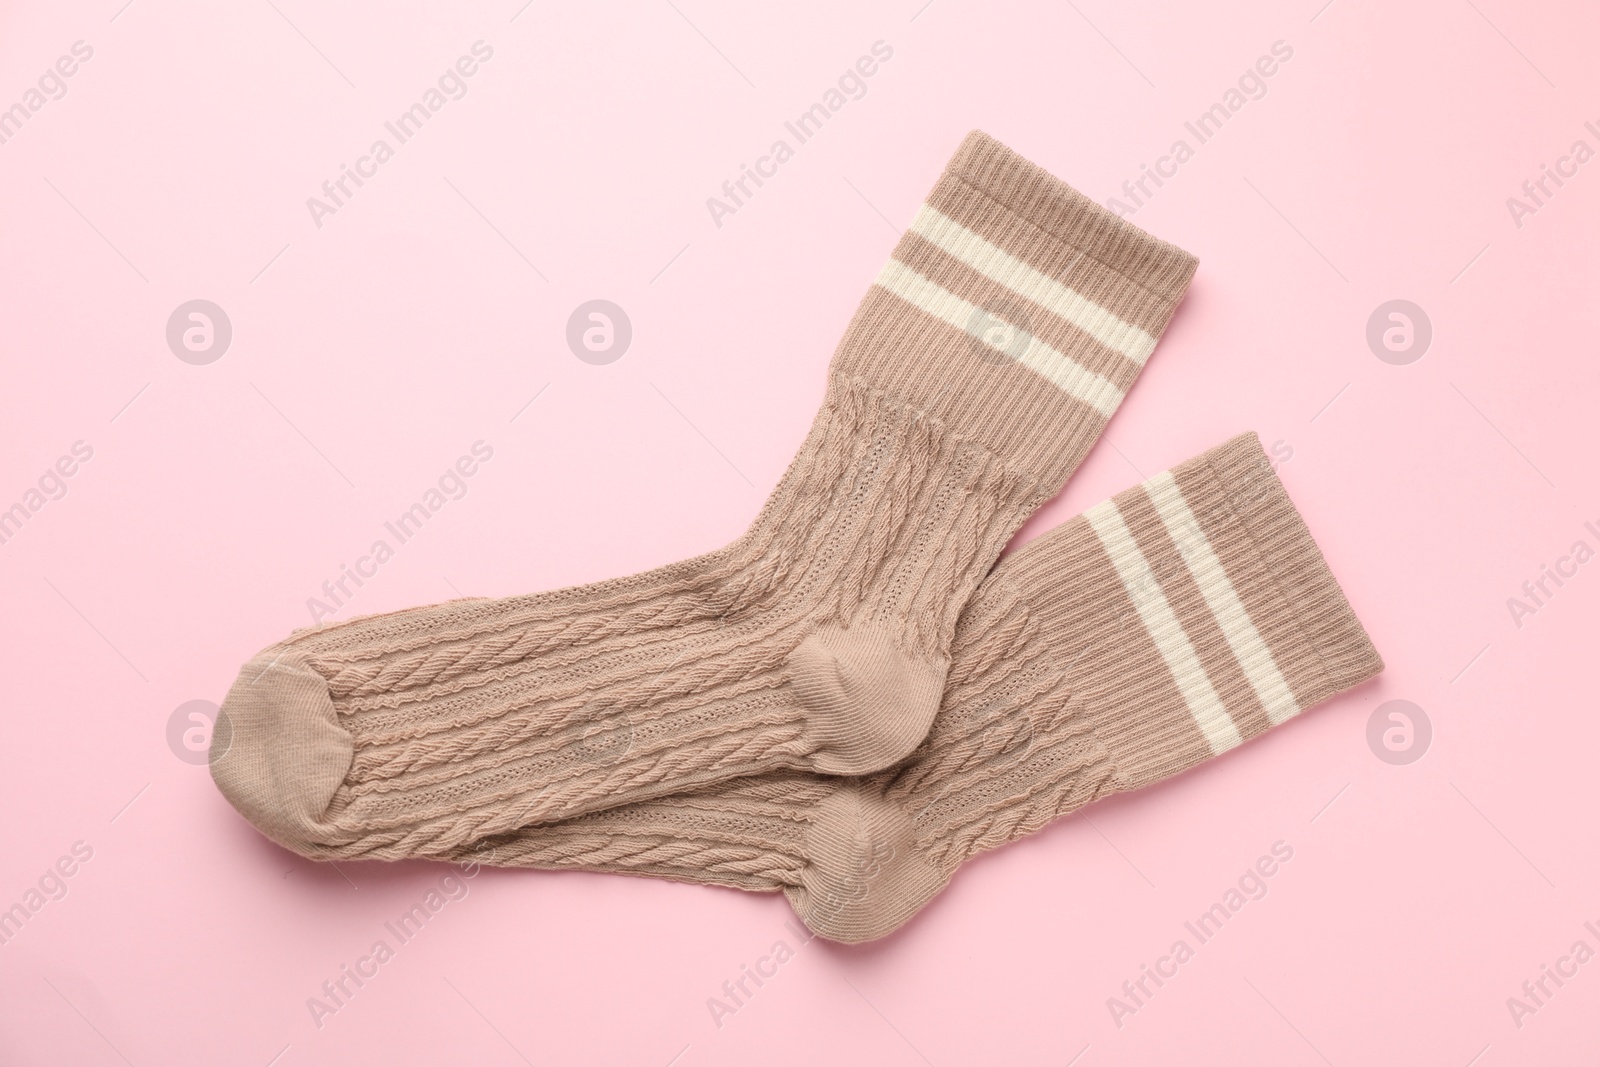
x=864, y=874
x=868, y=703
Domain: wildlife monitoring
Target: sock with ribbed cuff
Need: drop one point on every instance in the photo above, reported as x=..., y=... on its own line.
x=1159, y=629
x=983, y=363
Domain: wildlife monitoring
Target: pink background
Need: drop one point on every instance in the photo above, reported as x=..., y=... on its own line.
x=370, y=353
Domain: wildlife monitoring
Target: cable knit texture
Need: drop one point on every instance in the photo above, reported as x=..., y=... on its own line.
x=1003, y=333
x=1116, y=651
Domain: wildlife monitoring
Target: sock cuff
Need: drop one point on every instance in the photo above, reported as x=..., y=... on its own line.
x=1333, y=648
x=1015, y=310
x=1202, y=612
x=1056, y=208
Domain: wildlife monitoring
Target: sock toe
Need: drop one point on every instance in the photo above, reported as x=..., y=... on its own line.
x=283, y=753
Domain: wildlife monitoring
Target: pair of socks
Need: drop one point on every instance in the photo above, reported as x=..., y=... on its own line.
x=849, y=699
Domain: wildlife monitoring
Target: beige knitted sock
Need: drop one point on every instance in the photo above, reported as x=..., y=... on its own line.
x=1012, y=318
x=1155, y=631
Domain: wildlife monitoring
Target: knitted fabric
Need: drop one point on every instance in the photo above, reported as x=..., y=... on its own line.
x=983, y=363
x=1155, y=631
